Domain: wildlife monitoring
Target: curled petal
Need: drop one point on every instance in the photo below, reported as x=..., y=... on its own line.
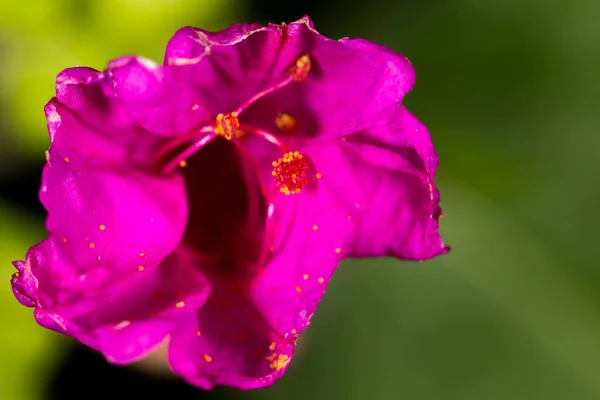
x=391, y=196
x=124, y=320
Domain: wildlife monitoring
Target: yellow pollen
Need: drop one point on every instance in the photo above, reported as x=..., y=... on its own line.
x=271, y=357
x=272, y=346
x=198, y=333
x=301, y=68
x=289, y=172
x=286, y=123
x=338, y=250
x=321, y=280
x=315, y=227
x=183, y=163
x=16, y=274
x=66, y=159
x=140, y=268
x=298, y=289
x=305, y=276
x=92, y=245
x=318, y=175
x=180, y=304
x=207, y=358
x=102, y=227
x=142, y=254
x=294, y=331
x=280, y=362
x=226, y=125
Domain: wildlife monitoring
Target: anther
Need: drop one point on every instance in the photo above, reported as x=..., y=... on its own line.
x=290, y=172
x=227, y=125
x=301, y=68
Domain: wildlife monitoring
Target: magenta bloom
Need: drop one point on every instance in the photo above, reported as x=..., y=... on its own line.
x=209, y=200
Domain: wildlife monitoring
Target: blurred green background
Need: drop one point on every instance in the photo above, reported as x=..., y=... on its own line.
x=510, y=92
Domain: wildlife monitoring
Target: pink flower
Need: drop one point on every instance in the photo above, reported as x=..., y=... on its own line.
x=210, y=199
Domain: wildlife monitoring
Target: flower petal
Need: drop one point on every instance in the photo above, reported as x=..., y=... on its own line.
x=229, y=343
x=351, y=81
x=312, y=235
x=123, y=320
x=391, y=195
x=108, y=220
x=159, y=98
x=227, y=67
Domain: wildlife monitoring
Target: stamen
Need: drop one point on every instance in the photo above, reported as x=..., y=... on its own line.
x=265, y=135
x=300, y=70
x=297, y=73
x=227, y=125
x=290, y=172
x=286, y=123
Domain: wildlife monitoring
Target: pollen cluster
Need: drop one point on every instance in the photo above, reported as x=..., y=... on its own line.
x=290, y=172
x=301, y=68
x=227, y=125
x=278, y=362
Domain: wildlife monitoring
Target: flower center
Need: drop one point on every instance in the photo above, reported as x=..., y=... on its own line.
x=290, y=172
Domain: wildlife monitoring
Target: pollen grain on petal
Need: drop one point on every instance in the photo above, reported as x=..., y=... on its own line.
x=301, y=68
x=289, y=172
x=141, y=268
x=207, y=358
x=272, y=346
x=102, y=227
x=226, y=125
x=305, y=277
x=338, y=250
x=286, y=123
x=315, y=227
x=92, y=245
x=180, y=304
x=320, y=280
x=281, y=361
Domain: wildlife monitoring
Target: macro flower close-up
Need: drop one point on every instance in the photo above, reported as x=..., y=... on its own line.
x=207, y=201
